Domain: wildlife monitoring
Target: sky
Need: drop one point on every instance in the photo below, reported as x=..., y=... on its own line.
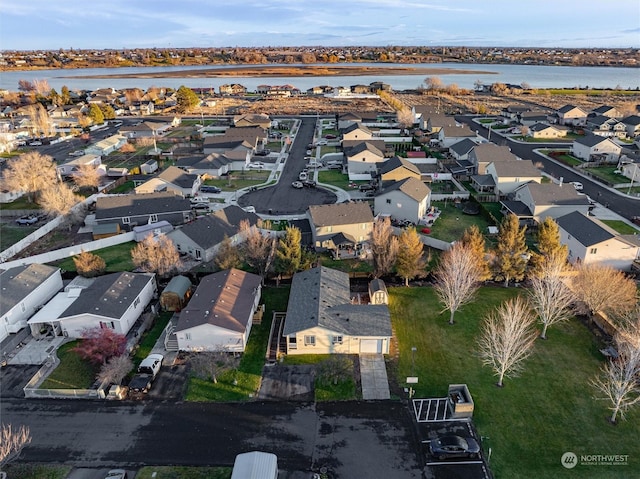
x=98, y=24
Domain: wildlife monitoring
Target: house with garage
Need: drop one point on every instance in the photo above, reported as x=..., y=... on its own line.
x=437, y=121
x=343, y=228
x=606, y=110
x=604, y=126
x=407, y=199
x=25, y=289
x=509, y=175
x=594, y=147
x=114, y=301
x=172, y=179
x=590, y=241
x=75, y=164
x=259, y=120
x=511, y=113
x=632, y=125
x=356, y=131
x=146, y=129
x=483, y=154
x=232, y=89
x=363, y=159
x=570, y=115
x=542, y=130
x=321, y=318
x=535, y=201
x=348, y=119
x=462, y=149
x=215, y=165
x=449, y=135
x=528, y=118
x=202, y=237
x=396, y=169
x=219, y=315
x=134, y=210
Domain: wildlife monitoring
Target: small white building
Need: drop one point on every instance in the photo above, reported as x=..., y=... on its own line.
x=71, y=166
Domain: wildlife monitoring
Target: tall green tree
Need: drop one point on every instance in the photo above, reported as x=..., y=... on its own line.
x=65, y=96
x=475, y=245
x=289, y=251
x=549, y=246
x=108, y=112
x=410, y=261
x=187, y=99
x=511, y=251
x=95, y=113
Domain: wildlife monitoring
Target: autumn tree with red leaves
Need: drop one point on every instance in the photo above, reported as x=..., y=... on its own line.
x=100, y=344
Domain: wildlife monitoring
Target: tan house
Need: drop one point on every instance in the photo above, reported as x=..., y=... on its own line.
x=357, y=131
x=172, y=179
x=322, y=320
x=542, y=130
x=252, y=120
x=407, y=199
x=571, y=115
x=341, y=227
x=593, y=147
x=536, y=201
x=483, y=154
x=509, y=175
x=363, y=159
x=396, y=169
x=449, y=135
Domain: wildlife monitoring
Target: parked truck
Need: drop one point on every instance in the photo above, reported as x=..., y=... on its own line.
x=147, y=372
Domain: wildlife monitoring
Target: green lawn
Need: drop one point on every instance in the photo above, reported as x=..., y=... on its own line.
x=151, y=336
x=240, y=180
x=346, y=265
x=117, y=258
x=452, y=222
x=621, y=227
x=72, y=372
x=125, y=187
x=10, y=234
x=183, y=472
x=21, y=203
x=342, y=391
x=335, y=178
x=36, y=471
x=249, y=372
x=607, y=173
x=567, y=159
x=535, y=418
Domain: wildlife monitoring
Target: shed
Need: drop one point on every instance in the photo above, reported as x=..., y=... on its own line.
x=378, y=292
x=149, y=167
x=255, y=465
x=106, y=230
x=176, y=294
x=154, y=229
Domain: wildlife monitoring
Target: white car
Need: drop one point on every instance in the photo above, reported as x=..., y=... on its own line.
x=77, y=153
x=314, y=164
x=116, y=474
x=322, y=142
x=577, y=185
x=303, y=176
x=256, y=165
x=297, y=184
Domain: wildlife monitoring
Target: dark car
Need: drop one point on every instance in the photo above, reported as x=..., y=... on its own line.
x=447, y=447
x=27, y=220
x=264, y=152
x=309, y=183
x=210, y=189
x=200, y=206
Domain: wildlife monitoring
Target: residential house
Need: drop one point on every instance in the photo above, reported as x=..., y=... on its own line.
x=594, y=147
x=483, y=154
x=321, y=318
x=215, y=165
x=509, y=175
x=176, y=294
x=407, y=199
x=630, y=170
x=252, y=120
x=529, y=118
x=542, y=130
x=356, y=132
x=449, y=135
x=25, y=289
x=106, y=146
x=536, y=201
x=363, y=159
x=604, y=126
x=632, y=125
x=396, y=169
x=247, y=138
x=606, y=110
x=421, y=114
x=461, y=149
x=570, y=115
x=73, y=165
x=590, y=241
x=172, y=179
x=201, y=238
x=133, y=210
x=219, y=315
x=436, y=122
x=511, y=113
x=347, y=120
x=232, y=89
x=344, y=228
x=114, y=301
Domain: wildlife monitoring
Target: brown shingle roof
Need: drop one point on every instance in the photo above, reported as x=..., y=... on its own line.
x=341, y=214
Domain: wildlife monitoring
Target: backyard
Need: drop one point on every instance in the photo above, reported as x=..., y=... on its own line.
x=239, y=180
x=117, y=258
x=452, y=222
x=535, y=418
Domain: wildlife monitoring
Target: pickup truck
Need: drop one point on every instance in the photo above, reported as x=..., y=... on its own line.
x=147, y=372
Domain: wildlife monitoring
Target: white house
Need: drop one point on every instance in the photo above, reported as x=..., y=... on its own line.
x=220, y=313
x=25, y=289
x=511, y=174
x=71, y=166
x=172, y=179
x=571, y=115
x=590, y=241
x=539, y=200
x=594, y=145
x=408, y=199
x=113, y=301
x=107, y=146
x=363, y=159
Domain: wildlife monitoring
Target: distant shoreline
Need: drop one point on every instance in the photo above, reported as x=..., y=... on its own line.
x=290, y=71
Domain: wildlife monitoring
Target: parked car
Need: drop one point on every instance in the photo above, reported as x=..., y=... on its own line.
x=309, y=184
x=27, y=220
x=330, y=137
x=448, y=447
x=256, y=165
x=35, y=143
x=147, y=372
x=297, y=184
x=116, y=474
x=200, y=206
x=264, y=152
x=322, y=142
x=577, y=185
x=368, y=187
x=77, y=153
x=334, y=166
x=303, y=176
x=314, y=164
x=210, y=189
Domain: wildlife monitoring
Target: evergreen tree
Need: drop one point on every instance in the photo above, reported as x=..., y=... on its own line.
x=187, y=99
x=512, y=251
x=108, y=112
x=290, y=257
x=95, y=113
x=410, y=261
x=474, y=242
x=65, y=96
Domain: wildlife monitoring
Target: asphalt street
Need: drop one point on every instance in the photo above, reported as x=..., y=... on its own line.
x=350, y=439
x=617, y=202
x=282, y=198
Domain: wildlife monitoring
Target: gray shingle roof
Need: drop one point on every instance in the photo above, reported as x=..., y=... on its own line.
x=591, y=140
x=178, y=177
x=516, y=168
x=463, y=147
x=340, y=214
x=553, y=194
x=584, y=229
x=119, y=206
x=397, y=162
x=222, y=299
x=19, y=282
x=109, y=295
x=321, y=297
x=412, y=187
x=364, y=146
x=487, y=152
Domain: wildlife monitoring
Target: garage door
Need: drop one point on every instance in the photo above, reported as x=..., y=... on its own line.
x=373, y=346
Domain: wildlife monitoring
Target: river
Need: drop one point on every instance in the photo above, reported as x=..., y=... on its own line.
x=536, y=76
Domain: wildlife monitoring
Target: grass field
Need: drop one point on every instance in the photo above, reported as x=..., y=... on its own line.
x=621, y=227
x=240, y=180
x=10, y=234
x=117, y=258
x=607, y=173
x=72, y=372
x=452, y=222
x=37, y=471
x=335, y=178
x=535, y=418
x=183, y=472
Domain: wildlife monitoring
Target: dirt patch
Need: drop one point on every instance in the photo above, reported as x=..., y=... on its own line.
x=290, y=383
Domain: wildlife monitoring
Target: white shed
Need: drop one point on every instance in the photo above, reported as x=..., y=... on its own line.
x=255, y=465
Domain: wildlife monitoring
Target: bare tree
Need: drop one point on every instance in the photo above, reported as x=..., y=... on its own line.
x=550, y=295
x=209, y=365
x=618, y=381
x=384, y=247
x=12, y=442
x=115, y=369
x=507, y=338
x=405, y=117
x=433, y=83
x=89, y=265
x=156, y=254
x=30, y=173
x=227, y=255
x=458, y=278
x=410, y=261
x=603, y=289
x=58, y=200
x=86, y=176
x=257, y=248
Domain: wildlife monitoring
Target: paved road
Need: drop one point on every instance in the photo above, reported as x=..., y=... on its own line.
x=618, y=203
x=352, y=439
x=282, y=198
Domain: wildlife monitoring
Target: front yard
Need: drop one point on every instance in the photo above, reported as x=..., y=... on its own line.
x=535, y=418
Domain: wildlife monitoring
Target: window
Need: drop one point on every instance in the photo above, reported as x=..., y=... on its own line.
x=593, y=250
x=153, y=218
x=136, y=302
x=187, y=336
x=388, y=201
x=198, y=254
x=23, y=307
x=336, y=340
x=107, y=325
x=329, y=229
x=126, y=220
x=309, y=340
